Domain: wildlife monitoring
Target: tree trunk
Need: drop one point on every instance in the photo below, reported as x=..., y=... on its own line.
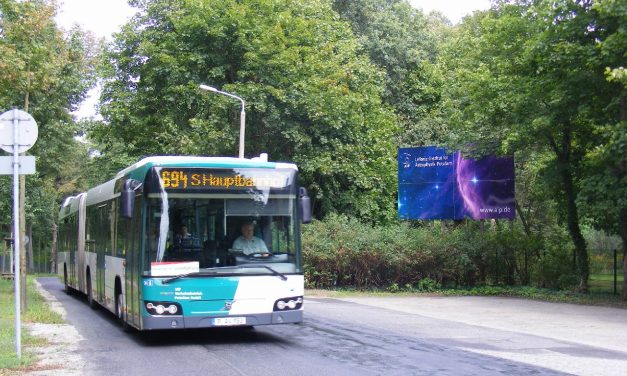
x=622, y=215
x=53, y=258
x=565, y=164
x=29, y=249
x=11, y=255
x=622, y=225
x=523, y=219
x=624, y=269
x=574, y=230
x=2, y=257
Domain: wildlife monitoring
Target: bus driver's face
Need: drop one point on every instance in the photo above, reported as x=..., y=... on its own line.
x=247, y=231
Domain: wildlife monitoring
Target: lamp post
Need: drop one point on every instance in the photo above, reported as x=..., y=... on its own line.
x=242, y=117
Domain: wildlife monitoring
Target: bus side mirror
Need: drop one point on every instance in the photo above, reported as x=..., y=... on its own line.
x=127, y=206
x=305, y=205
x=127, y=198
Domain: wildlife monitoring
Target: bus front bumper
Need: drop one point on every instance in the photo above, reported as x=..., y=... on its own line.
x=191, y=322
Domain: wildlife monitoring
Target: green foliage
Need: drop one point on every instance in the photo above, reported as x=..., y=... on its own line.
x=404, y=43
x=603, y=194
x=310, y=96
x=341, y=251
x=107, y=157
x=602, y=263
x=613, y=14
x=535, y=197
x=427, y=284
x=555, y=267
x=394, y=288
x=336, y=86
x=47, y=73
x=529, y=78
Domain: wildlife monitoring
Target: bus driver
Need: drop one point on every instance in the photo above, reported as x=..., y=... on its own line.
x=248, y=243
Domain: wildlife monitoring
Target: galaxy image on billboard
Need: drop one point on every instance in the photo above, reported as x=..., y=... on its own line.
x=436, y=184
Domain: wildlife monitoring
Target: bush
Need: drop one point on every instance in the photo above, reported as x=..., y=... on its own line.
x=555, y=267
x=343, y=252
x=427, y=284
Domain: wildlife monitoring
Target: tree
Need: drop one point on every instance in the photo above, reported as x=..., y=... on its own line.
x=528, y=76
x=603, y=194
x=47, y=73
x=310, y=96
x=405, y=43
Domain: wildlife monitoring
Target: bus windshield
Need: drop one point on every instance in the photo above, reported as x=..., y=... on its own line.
x=190, y=232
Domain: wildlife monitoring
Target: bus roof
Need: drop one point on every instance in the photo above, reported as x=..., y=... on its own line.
x=139, y=170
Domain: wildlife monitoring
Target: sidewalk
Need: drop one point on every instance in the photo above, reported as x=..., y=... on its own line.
x=578, y=339
x=59, y=355
x=588, y=325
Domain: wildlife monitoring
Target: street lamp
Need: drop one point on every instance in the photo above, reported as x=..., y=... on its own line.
x=242, y=117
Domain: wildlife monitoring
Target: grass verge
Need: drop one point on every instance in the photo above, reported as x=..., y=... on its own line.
x=38, y=311
x=596, y=299
x=604, y=283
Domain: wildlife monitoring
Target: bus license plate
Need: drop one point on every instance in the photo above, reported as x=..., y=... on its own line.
x=229, y=321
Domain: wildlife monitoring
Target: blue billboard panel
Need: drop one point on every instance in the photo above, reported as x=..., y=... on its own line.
x=435, y=184
x=426, y=184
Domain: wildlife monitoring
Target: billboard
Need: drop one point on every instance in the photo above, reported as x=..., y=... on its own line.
x=435, y=184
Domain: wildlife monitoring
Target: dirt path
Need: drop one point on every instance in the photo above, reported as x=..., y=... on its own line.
x=60, y=355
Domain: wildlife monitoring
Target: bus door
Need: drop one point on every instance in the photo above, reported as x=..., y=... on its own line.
x=133, y=263
x=102, y=217
x=79, y=272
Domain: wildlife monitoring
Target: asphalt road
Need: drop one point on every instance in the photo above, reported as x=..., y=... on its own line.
x=361, y=336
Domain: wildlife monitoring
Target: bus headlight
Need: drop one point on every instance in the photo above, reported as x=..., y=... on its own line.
x=173, y=309
x=287, y=304
x=162, y=308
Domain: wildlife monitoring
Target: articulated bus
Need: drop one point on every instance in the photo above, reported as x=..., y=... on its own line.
x=155, y=245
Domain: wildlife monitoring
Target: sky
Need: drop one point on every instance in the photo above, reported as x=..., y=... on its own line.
x=104, y=17
x=454, y=10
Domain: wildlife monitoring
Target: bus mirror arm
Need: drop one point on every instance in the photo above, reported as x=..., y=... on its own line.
x=304, y=203
x=127, y=198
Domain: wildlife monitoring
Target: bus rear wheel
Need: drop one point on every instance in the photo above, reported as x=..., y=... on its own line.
x=90, y=294
x=119, y=311
x=66, y=286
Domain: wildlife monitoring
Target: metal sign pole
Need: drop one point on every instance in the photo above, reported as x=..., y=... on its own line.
x=24, y=135
x=16, y=231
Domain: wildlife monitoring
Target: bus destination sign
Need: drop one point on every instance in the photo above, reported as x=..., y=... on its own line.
x=199, y=179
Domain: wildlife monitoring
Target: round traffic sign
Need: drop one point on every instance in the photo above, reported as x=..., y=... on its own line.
x=27, y=131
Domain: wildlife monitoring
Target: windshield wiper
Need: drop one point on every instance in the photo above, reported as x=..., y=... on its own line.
x=213, y=271
x=274, y=272
x=202, y=272
x=168, y=280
